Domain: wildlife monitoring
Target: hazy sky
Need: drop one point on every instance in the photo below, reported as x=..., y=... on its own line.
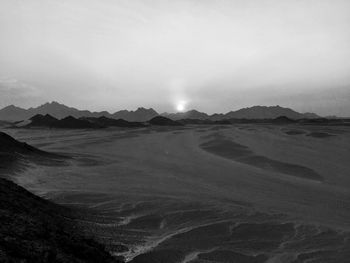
x=214, y=56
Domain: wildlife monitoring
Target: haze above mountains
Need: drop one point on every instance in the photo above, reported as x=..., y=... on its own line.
x=57, y=110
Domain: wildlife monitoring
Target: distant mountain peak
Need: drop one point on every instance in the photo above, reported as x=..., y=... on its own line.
x=193, y=111
x=53, y=103
x=191, y=114
x=11, y=107
x=145, y=109
x=141, y=114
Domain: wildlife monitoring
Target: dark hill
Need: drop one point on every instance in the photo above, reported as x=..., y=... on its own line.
x=205, y=122
x=82, y=123
x=283, y=120
x=192, y=114
x=35, y=230
x=67, y=123
x=196, y=121
x=108, y=122
x=263, y=112
x=41, y=120
x=140, y=115
x=163, y=121
x=325, y=121
x=73, y=123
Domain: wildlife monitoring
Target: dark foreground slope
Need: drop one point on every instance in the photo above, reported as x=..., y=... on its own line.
x=33, y=229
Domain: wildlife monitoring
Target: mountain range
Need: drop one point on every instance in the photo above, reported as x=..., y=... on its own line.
x=57, y=110
x=255, y=112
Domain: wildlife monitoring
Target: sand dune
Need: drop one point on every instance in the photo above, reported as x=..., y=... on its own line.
x=240, y=153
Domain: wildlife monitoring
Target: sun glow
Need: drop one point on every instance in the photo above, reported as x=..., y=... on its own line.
x=180, y=106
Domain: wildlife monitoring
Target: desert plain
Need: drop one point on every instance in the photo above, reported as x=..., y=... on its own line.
x=203, y=193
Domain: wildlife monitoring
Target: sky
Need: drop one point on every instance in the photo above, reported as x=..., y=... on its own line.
x=213, y=56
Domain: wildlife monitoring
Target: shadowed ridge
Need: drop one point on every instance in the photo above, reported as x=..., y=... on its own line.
x=108, y=122
x=263, y=112
x=140, y=115
x=43, y=117
x=163, y=121
x=15, y=154
x=43, y=120
x=72, y=123
x=191, y=114
x=11, y=146
x=310, y=115
x=67, y=123
x=283, y=120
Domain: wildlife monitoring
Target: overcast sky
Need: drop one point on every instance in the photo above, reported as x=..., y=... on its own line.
x=214, y=56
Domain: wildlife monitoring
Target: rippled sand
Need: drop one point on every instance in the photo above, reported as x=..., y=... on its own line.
x=247, y=193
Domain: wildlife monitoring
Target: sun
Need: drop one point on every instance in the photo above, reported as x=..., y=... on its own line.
x=180, y=106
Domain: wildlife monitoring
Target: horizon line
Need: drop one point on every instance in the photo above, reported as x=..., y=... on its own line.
x=175, y=112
